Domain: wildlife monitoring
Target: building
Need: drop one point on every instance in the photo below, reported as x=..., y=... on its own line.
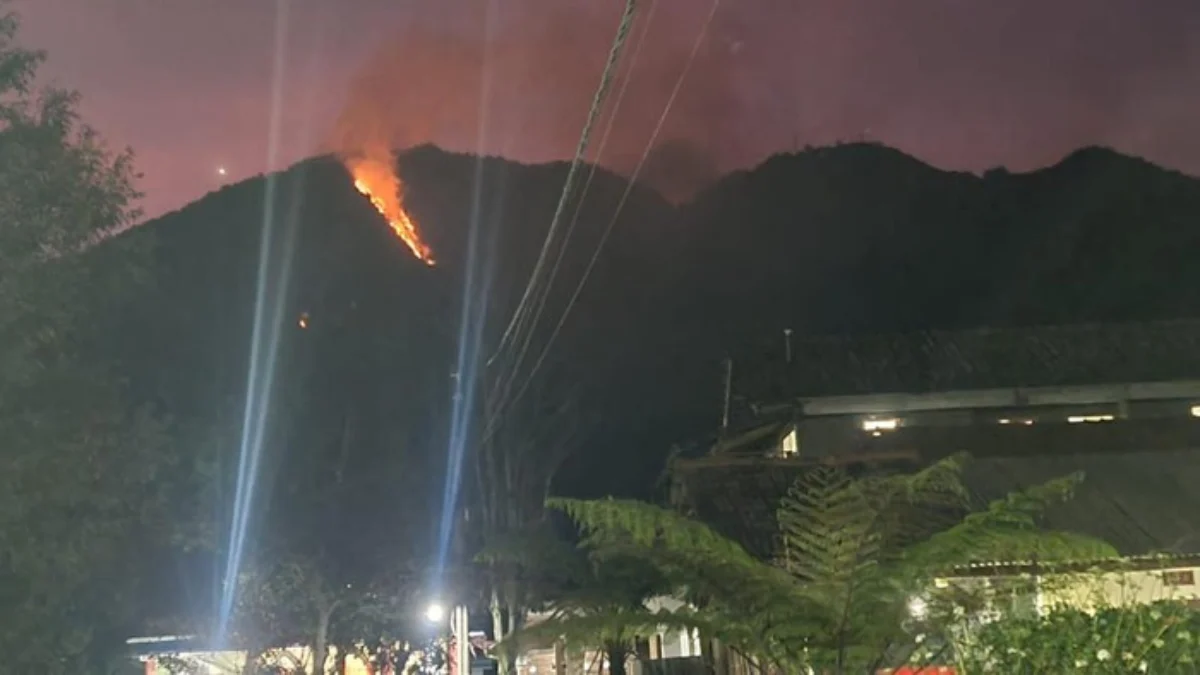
x=670, y=652
x=178, y=655
x=1024, y=586
x=1119, y=403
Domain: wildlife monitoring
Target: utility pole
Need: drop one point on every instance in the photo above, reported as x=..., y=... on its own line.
x=728, y=393
x=461, y=630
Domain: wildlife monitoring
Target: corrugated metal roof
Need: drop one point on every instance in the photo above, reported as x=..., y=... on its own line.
x=996, y=358
x=1142, y=562
x=1140, y=502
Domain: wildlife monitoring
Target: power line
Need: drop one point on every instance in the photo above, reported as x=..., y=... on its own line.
x=612, y=222
x=593, y=113
x=545, y=291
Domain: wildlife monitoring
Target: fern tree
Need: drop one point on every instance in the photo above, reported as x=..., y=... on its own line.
x=584, y=602
x=852, y=554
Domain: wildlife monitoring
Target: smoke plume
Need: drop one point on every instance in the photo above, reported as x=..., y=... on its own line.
x=541, y=61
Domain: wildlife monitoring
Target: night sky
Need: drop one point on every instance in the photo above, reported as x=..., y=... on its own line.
x=966, y=84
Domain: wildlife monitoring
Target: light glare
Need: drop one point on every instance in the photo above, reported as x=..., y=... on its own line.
x=880, y=425
x=1085, y=419
x=435, y=613
x=918, y=608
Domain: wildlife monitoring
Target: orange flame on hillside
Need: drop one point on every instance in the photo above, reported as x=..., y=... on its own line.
x=377, y=180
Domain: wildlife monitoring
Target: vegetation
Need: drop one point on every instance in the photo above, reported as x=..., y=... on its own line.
x=312, y=580
x=854, y=553
x=285, y=603
x=352, y=475
x=84, y=476
x=1162, y=637
x=914, y=248
x=573, y=596
x=514, y=465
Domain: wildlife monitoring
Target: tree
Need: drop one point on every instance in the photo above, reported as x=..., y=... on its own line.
x=570, y=590
x=286, y=600
x=854, y=553
x=83, y=475
x=515, y=463
x=338, y=561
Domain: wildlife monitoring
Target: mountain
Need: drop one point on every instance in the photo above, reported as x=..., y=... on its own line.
x=857, y=238
x=861, y=238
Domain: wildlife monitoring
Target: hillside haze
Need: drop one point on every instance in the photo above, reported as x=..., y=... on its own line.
x=857, y=238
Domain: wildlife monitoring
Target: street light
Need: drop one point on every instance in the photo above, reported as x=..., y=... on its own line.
x=435, y=613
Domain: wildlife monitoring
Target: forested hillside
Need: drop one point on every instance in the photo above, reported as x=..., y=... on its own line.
x=857, y=238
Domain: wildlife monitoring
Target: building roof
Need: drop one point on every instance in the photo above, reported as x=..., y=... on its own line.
x=759, y=439
x=1016, y=397
x=738, y=495
x=994, y=358
x=1166, y=561
x=1138, y=493
x=1140, y=502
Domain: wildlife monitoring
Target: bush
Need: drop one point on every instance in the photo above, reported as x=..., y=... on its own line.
x=1156, y=638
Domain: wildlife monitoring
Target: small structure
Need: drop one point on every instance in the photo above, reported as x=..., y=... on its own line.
x=1084, y=585
x=669, y=652
x=1119, y=403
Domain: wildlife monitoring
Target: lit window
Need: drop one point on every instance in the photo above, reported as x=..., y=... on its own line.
x=880, y=425
x=1083, y=419
x=1196, y=411
x=790, y=444
x=303, y=322
x=1004, y=420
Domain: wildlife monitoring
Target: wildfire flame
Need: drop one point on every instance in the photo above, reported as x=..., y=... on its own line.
x=377, y=180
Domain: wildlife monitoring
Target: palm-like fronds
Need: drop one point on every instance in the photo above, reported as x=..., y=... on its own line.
x=840, y=536
x=1008, y=529
x=828, y=528
x=613, y=521
x=852, y=552
x=730, y=594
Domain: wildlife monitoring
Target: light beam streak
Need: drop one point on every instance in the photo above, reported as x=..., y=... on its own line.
x=476, y=289
x=264, y=340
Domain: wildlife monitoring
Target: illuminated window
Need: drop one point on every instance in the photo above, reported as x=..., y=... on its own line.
x=880, y=424
x=1196, y=411
x=1004, y=420
x=1083, y=419
x=790, y=444
x=303, y=321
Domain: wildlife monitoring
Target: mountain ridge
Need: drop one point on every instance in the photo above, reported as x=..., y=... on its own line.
x=858, y=240
x=855, y=238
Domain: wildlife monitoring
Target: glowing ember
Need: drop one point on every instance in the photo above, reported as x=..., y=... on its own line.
x=378, y=181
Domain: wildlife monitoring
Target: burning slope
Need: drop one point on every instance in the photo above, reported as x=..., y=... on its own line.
x=376, y=178
x=425, y=83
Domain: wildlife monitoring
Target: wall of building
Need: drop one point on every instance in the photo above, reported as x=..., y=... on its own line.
x=1009, y=594
x=1116, y=589
x=233, y=662
x=666, y=646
